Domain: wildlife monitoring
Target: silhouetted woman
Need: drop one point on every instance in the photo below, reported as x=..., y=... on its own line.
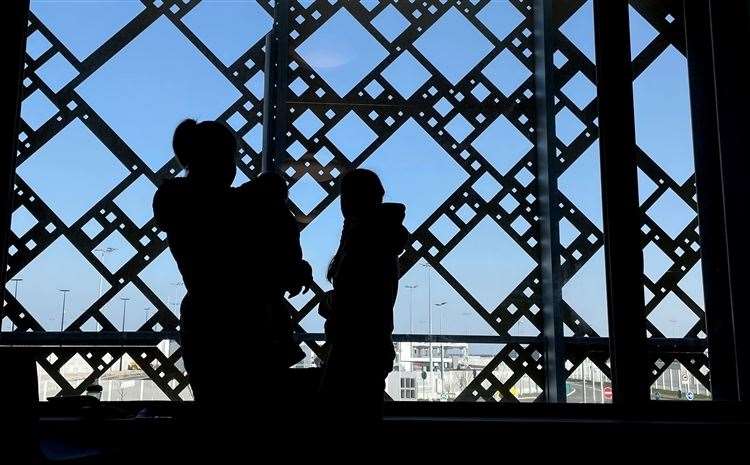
x=359, y=322
x=197, y=213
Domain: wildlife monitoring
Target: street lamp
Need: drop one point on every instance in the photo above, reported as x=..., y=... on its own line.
x=411, y=288
x=427, y=268
x=15, y=297
x=442, y=351
x=62, y=317
x=102, y=251
x=124, y=304
x=441, y=304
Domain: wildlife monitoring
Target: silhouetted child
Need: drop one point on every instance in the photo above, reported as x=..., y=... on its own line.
x=359, y=321
x=278, y=255
x=238, y=251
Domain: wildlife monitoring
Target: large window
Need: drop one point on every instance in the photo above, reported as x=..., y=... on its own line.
x=673, y=280
x=105, y=85
x=581, y=224
x=439, y=98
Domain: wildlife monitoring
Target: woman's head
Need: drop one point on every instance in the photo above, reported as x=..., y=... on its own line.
x=361, y=192
x=207, y=151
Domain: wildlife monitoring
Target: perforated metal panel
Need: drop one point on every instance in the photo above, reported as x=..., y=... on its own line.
x=336, y=124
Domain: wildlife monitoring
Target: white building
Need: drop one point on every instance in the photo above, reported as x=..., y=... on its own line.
x=415, y=356
x=412, y=379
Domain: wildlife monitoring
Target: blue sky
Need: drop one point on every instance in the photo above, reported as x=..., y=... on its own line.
x=161, y=78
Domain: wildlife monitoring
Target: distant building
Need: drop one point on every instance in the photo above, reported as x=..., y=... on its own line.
x=415, y=356
x=413, y=380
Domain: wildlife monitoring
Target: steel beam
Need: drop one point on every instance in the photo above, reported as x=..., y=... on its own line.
x=622, y=245
x=14, y=22
x=549, y=217
x=714, y=253
x=729, y=22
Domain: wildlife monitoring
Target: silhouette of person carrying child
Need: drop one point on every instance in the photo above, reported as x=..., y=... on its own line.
x=238, y=252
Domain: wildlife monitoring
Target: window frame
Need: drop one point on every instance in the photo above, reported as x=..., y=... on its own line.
x=715, y=156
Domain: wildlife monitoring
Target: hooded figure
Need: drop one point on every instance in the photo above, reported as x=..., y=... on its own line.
x=359, y=320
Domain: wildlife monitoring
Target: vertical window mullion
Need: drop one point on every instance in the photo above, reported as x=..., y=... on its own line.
x=710, y=211
x=729, y=21
x=624, y=259
x=15, y=22
x=548, y=205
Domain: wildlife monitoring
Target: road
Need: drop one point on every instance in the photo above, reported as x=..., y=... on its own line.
x=593, y=393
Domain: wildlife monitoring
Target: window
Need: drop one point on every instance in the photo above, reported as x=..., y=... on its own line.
x=105, y=85
x=400, y=86
x=408, y=388
x=439, y=98
x=581, y=224
x=673, y=279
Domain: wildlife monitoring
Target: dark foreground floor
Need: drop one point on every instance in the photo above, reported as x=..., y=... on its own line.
x=69, y=431
x=142, y=433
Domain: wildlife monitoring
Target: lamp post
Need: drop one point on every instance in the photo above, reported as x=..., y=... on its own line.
x=411, y=288
x=442, y=351
x=427, y=268
x=62, y=316
x=124, y=305
x=102, y=251
x=15, y=281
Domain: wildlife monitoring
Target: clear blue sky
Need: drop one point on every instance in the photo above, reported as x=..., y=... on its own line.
x=161, y=78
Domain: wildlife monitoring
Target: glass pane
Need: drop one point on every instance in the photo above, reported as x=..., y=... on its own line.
x=106, y=83
x=669, y=203
x=438, y=99
x=584, y=288
x=470, y=372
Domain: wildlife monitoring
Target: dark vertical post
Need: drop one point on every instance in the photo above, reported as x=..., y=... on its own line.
x=714, y=256
x=624, y=259
x=20, y=401
x=14, y=22
x=731, y=51
x=276, y=88
x=549, y=231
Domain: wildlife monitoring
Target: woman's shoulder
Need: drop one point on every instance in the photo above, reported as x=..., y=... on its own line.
x=173, y=189
x=173, y=185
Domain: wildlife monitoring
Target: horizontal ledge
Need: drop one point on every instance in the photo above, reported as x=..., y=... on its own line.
x=77, y=338
x=141, y=338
